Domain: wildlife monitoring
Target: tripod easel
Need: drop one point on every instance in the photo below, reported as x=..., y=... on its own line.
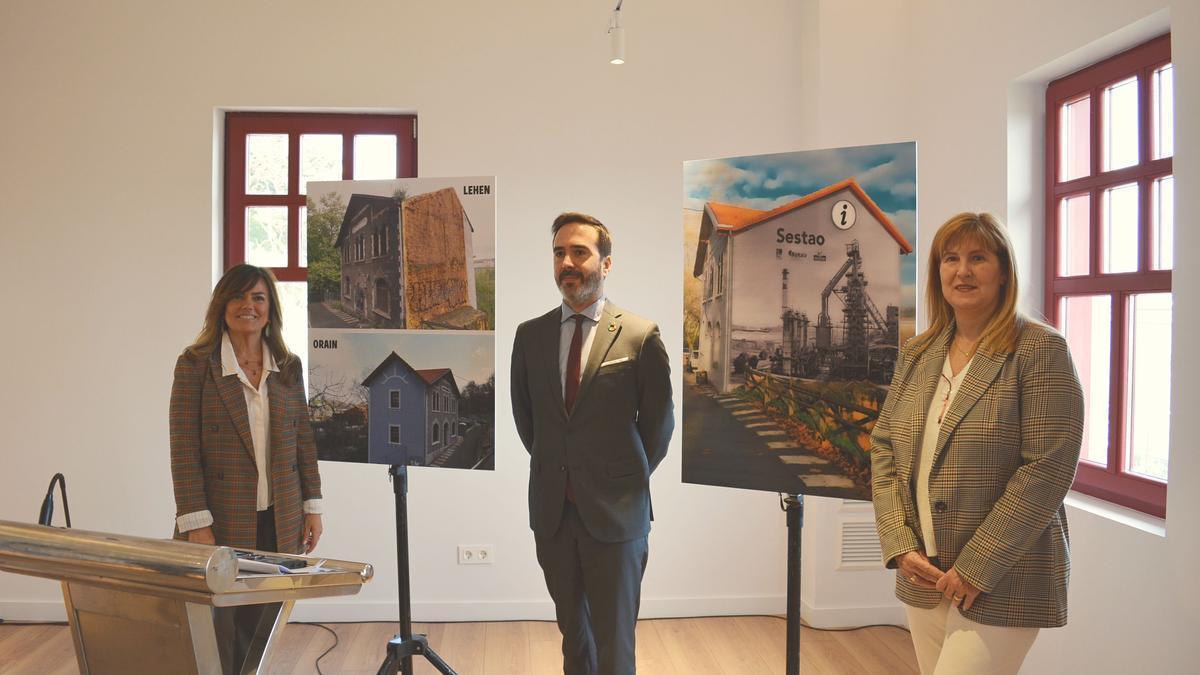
x=401, y=648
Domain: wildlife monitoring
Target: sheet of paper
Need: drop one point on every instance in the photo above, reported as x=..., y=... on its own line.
x=259, y=567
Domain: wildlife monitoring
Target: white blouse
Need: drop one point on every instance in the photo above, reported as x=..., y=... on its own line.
x=258, y=411
x=943, y=398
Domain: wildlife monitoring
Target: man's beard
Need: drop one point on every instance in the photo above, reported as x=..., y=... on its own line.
x=586, y=287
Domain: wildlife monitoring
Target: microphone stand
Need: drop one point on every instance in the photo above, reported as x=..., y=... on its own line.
x=47, y=511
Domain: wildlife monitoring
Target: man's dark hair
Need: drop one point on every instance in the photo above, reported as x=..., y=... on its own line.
x=603, y=236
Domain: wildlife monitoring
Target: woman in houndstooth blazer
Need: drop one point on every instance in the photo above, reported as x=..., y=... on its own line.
x=972, y=455
x=243, y=461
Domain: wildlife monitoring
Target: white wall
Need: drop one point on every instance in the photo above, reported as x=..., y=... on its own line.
x=107, y=181
x=106, y=238
x=966, y=80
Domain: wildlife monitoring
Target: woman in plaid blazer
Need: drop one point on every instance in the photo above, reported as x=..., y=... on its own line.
x=243, y=460
x=972, y=455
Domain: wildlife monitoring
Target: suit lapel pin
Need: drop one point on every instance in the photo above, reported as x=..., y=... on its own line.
x=612, y=327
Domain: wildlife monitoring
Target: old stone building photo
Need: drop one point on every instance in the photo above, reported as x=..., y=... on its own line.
x=402, y=254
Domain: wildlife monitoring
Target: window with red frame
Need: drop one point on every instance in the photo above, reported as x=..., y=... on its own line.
x=271, y=157
x=1109, y=235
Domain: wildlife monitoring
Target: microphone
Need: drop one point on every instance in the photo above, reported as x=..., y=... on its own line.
x=47, y=511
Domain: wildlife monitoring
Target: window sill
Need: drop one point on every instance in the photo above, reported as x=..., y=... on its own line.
x=1117, y=514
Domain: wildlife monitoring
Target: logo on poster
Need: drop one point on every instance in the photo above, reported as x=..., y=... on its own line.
x=843, y=215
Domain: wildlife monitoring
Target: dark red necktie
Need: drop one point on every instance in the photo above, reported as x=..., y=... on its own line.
x=573, y=366
x=572, y=384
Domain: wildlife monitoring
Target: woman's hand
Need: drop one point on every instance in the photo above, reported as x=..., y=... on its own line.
x=958, y=590
x=918, y=570
x=311, y=533
x=202, y=535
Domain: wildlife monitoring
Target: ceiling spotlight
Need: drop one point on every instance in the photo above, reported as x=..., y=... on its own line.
x=616, y=35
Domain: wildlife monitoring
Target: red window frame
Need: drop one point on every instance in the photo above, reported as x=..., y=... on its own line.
x=1110, y=482
x=239, y=124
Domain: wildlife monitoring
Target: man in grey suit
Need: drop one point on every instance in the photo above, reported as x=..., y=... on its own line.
x=591, y=394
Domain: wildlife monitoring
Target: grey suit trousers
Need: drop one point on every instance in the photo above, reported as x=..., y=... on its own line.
x=597, y=588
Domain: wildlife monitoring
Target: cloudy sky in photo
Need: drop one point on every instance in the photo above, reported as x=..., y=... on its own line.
x=888, y=173
x=469, y=354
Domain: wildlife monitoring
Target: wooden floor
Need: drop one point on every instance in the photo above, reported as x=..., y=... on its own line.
x=719, y=645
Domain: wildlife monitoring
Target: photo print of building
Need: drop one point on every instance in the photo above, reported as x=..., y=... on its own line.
x=419, y=398
x=799, y=289
x=412, y=414
x=415, y=253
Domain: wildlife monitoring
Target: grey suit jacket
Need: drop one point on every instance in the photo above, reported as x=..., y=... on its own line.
x=1005, y=458
x=616, y=435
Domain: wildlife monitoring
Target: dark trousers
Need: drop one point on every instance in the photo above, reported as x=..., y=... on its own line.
x=596, y=588
x=266, y=531
x=236, y=626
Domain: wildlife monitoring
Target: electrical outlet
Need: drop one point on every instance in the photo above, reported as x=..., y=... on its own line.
x=479, y=554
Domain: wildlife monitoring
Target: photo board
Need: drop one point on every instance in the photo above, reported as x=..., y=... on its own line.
x=799, y=288
x=401, y=313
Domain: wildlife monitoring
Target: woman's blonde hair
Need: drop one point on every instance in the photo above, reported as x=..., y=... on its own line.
x=1002, y=330
x=237, y=281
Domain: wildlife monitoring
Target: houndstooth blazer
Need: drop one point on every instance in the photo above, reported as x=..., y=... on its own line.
x=1005, y=458
x=212, y=455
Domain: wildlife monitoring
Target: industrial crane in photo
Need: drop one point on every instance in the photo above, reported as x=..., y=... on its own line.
x=869, y=339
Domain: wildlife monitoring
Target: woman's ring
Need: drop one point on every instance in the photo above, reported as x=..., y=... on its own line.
x=958, y=598
x=913, y=578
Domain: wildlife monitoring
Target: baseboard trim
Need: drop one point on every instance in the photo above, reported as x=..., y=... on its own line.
x=341, y=610
x=33, y=610
x=515, y=610
x=850, y=617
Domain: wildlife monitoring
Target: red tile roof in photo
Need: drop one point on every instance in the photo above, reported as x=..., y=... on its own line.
x=428, y=376
x=737, y=217
x=431, y=375
x=734, y=219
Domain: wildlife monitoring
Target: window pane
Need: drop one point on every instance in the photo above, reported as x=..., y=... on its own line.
x=266, y=236
x=1074, y=240
x=1149, y=376
x=266, y=164
x=1120, y=229
x=1075, y=132
x=374, y=156
x=320, y=158
x=302, y=243
x=1163, y=225
x=295, y=319
x=1086, y=322
x=1164, y=112
x=1121, y=125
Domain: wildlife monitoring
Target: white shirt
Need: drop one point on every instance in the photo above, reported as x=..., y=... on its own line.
x=591, y=315
x=258, y=413
x=943, y=398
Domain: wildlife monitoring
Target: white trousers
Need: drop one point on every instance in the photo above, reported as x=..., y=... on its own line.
x=949, y=643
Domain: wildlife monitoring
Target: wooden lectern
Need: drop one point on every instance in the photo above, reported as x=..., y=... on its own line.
x=140, y=605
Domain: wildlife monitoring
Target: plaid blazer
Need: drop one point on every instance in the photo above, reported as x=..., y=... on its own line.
x=1005, y=458
x=212, y=455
